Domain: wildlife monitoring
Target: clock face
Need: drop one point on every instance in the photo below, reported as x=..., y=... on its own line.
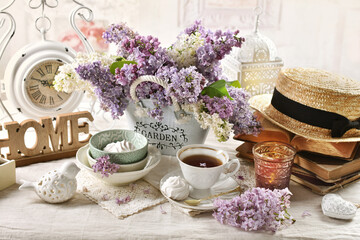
x=29, y=78
x=39, y=85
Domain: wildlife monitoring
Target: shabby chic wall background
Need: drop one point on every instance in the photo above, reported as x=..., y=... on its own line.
x=323, y=33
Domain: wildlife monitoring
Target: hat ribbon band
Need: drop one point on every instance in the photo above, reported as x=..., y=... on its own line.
x=337, y=123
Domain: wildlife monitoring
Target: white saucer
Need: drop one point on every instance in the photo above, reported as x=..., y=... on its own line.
x=119, y=178
x=224, y=184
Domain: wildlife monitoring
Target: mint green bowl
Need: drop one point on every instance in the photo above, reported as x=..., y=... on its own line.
x=99, y=140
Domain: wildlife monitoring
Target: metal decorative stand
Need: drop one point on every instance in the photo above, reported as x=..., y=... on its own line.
x=4, y=41
x=43, y=25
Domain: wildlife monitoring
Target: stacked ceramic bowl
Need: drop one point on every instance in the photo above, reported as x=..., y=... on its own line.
x=129, y=160
x=134, y=163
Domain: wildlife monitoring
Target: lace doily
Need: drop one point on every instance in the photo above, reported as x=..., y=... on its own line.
x=246, y=175
x=120, y=201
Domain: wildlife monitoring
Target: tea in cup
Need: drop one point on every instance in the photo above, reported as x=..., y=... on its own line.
x=202, y=165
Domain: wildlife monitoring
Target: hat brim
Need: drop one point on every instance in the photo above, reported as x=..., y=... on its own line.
x=262, y=103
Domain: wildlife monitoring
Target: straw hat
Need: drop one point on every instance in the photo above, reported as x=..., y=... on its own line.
x=314, y=104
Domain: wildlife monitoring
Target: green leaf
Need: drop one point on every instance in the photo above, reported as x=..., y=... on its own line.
x=120, y=59
x=120, y=64
x=235, y=83
x=216, y=89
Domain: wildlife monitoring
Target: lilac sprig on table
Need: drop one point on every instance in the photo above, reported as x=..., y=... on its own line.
x=256, y=209
x=105, y=167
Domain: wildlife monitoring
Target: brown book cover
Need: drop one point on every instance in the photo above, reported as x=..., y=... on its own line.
x=299, y=170
x=344, y=150
x=245, y=150
x=322, y=188
x=269, y=132
x=327, y=168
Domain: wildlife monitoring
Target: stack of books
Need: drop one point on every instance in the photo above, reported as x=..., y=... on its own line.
x=321, y=166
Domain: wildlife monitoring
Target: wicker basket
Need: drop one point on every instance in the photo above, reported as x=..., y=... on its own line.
x=177, y=129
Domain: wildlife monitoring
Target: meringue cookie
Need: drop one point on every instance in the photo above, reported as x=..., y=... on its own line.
x=176, y=188
x=123, y=146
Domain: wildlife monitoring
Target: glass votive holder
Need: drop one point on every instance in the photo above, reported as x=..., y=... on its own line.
x=273, y=162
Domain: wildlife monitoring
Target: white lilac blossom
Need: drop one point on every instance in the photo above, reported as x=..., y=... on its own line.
x=183, y=51
x=220, y=127
x=67, y=80
x=256, y=209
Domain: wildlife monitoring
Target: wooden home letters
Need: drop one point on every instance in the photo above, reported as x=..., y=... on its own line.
x=50, y=143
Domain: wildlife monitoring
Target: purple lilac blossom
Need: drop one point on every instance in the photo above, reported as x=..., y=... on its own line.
x=150, y=59
x=132, y=186
x=105, y=197
x=216, y=46
x=104, y=166
x=223, y=106
x=113, y=96
x=124, y=200
x=116, y=32
x=256, y=209
x=162, y=210
x=156, y=113
x=306, y=213
x=186, y=85
x=242, y=117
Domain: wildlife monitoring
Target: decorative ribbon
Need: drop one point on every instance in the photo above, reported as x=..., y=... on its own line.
x=337, y=123
x=340, y=127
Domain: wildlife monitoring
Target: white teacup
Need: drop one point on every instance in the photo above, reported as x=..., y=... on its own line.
x=200, y=178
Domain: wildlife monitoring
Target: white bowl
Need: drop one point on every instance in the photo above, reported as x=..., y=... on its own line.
x=119, y=178
x=123, y=167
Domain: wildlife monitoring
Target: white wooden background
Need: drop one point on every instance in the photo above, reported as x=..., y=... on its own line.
x=323, y=33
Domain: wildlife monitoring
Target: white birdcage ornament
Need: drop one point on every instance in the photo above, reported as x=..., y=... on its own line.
x=256, y=64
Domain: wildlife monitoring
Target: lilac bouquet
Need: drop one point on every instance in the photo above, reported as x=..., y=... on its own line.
x=256, y=209
x=190, y=67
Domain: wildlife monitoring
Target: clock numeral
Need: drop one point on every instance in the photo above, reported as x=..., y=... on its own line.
x=34, y=87
x=36, y=95
x=41, y=72
x=48, y=69
x=42, y=99
x=51, y=101
x=57, y=69
x=60, y=97
x=36, y=79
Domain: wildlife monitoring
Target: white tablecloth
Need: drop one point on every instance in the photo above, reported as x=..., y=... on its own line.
x=24, y=216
